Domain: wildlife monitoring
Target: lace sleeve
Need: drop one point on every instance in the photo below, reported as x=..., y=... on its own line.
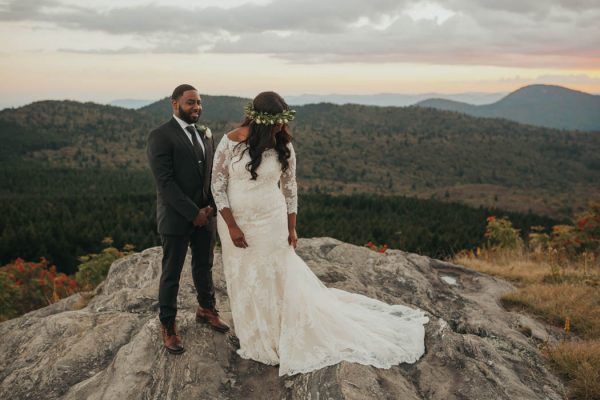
x=220, y=174
x=288, y=184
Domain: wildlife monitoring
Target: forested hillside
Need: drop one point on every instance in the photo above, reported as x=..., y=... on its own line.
x=73, y=173
x=344, y=149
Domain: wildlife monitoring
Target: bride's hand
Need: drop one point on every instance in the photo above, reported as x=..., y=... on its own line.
x=237, y=237
x=293, y=238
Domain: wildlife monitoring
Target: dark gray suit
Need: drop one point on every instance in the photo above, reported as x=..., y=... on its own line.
x=182, y=188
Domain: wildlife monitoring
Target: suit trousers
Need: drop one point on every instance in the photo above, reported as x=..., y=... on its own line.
x=202, y=242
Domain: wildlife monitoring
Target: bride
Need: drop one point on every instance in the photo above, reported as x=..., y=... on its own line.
x=283, y=314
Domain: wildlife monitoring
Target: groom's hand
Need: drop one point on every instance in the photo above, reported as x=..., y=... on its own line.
x=203, y=216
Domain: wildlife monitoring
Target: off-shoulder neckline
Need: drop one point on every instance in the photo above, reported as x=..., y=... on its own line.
x=236, y=142
x=231, y=140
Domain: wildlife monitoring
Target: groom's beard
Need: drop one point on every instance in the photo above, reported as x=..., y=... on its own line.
x=187, y=116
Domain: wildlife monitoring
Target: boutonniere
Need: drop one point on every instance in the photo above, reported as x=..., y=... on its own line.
x=205, y=130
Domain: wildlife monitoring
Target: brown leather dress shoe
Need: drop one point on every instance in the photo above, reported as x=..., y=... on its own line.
x=171, y=339
x=211, y=316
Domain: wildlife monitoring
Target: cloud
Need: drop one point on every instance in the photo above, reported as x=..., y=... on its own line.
x=554, y=33
x=311, y=15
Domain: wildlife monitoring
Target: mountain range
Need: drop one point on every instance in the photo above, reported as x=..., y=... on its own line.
x=393, y=99
x=130, y=103
x=381, y=99
x=342, y=149
x=541, y=105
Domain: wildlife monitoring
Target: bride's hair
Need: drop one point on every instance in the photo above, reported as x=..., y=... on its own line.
x=261, y=135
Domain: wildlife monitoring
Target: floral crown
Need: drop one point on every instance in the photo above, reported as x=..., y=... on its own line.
x=260, y=117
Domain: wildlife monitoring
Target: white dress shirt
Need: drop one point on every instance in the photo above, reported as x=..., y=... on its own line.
x=184, y=125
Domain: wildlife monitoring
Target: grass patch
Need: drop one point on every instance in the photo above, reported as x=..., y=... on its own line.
x=579, y=364
x=516, y=271
x=555, y=292
x=555, y=303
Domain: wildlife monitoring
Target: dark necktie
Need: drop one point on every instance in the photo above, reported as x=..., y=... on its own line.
x=195, y=144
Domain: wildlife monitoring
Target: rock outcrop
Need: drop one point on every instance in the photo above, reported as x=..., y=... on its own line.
x=108, y=347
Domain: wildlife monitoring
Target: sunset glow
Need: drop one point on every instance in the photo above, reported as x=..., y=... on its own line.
x=141, y=49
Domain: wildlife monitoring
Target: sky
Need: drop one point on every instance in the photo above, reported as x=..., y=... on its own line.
x=141, y=49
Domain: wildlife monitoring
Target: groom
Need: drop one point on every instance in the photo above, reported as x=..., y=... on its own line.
x=181, y=161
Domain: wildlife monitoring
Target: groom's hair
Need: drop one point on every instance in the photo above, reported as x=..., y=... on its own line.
x=178, y=92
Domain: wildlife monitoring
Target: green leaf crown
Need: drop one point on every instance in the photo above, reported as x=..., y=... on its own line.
x=260, y=117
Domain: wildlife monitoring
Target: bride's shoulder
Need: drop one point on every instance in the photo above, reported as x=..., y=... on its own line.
x=238, y=134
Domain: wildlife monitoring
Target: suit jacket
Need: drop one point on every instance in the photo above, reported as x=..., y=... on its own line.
x=182, y=184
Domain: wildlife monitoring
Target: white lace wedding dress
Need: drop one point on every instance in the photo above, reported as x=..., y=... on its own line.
x=282, y=313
